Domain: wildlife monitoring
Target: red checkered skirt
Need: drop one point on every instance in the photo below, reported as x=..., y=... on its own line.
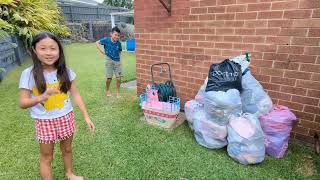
x=56, y=129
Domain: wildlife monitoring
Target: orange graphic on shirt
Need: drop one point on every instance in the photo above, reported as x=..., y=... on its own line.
x=55, y=101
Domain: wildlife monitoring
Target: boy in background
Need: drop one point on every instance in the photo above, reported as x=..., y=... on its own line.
x=112, y=50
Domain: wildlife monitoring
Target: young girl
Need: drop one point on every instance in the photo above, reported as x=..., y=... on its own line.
x=44, y=89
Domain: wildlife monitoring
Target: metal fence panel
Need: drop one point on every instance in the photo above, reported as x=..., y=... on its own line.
x=10, y=57
x=78, y=13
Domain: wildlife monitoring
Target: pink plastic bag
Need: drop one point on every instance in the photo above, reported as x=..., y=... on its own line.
x=277, y=126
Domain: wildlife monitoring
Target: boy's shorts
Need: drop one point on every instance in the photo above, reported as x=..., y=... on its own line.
x=56, y=129
x=113, y=67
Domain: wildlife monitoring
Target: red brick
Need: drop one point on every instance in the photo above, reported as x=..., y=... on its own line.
x=303, y=115
x=293, y=90
x=317, y=119
x=207, y=17
x=197, y=38
x=236, y=8
x=256, y=23
x=212, y=51
x=253, y=39
x=315, y=32
x=292, y=105
x=308, y=84
x=268, y=31
x=175, y=43
x=312, y=50
x=245, y=47
x=316, y=13
x=197, y=50
x=311, y=125
x=312, y=132
x=189, y=43
x=217, y=9
x=285, y=5
x=256, y=55
x=225, y=16
x=246, y=16
x=175, y=31
x=265, y=48
x=297, y=14
x=262, y=63
x=270, y=14
x=280, y=96
x=191, y=18
x=223, y=45
x=225, y=2
x=232, y=38
x=201, y=10
x=312, y=109
x=162, y=42
x=315, y=77
x=300, y=130
x=293, y=32
x=308, y=23
x=280, y=23
x=207, y=30
x=215, y=24
x=268, y=86
x=262, y=78
x=207, y=3
x=205, y=44
x=309, y=4
x=286, y=65
x=275, y=56
x=302, y=58
x=278, y=39
x=246, y=1
x=297, y=75
x=310, y=68
x=233, y=23
x=272, y=72
x=313, y=93
x=182, y=25
x=291, y=49
x=214, y=38
x=305, y=41
x=245, y=31
x=259, y=7
x=283, y=81
x=230, y=53
x=224, y=31
x=196, y=3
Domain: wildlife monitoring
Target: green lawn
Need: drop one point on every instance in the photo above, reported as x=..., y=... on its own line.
x=123, y=147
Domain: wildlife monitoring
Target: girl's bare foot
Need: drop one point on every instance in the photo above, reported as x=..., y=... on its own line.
x=74, y=177
x=118, y=95
x=108, y=94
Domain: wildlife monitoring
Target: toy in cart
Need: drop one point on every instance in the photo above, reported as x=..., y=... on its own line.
x=164, y=114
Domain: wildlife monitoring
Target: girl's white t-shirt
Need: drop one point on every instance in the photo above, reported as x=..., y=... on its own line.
x=56, y=105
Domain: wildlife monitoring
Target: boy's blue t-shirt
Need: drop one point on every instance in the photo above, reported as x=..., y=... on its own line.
x=112, y=49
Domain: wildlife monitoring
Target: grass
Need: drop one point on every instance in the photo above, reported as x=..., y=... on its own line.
x=123, y=147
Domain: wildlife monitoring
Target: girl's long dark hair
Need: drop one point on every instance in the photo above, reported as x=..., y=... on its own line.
x=60, y=65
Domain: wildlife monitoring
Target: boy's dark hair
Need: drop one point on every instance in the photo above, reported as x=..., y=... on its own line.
x=60, y=64
x=115, y=29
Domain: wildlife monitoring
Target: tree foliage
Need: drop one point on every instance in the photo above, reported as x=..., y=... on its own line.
x=120, y=3
x=29, y=17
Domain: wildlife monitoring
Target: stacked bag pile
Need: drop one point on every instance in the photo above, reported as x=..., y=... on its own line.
x=228, y=110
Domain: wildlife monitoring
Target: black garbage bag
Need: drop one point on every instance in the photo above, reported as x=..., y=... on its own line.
x=224, y=76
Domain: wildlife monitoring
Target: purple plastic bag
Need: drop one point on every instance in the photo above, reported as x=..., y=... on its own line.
x=277, y=126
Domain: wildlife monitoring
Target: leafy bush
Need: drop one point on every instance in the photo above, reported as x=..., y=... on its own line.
x=127, y=31
x=29, y=17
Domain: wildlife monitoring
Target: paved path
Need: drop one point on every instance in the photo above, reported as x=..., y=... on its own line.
x=130, y=85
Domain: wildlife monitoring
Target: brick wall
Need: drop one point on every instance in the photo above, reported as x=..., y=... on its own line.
x=283, y=37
